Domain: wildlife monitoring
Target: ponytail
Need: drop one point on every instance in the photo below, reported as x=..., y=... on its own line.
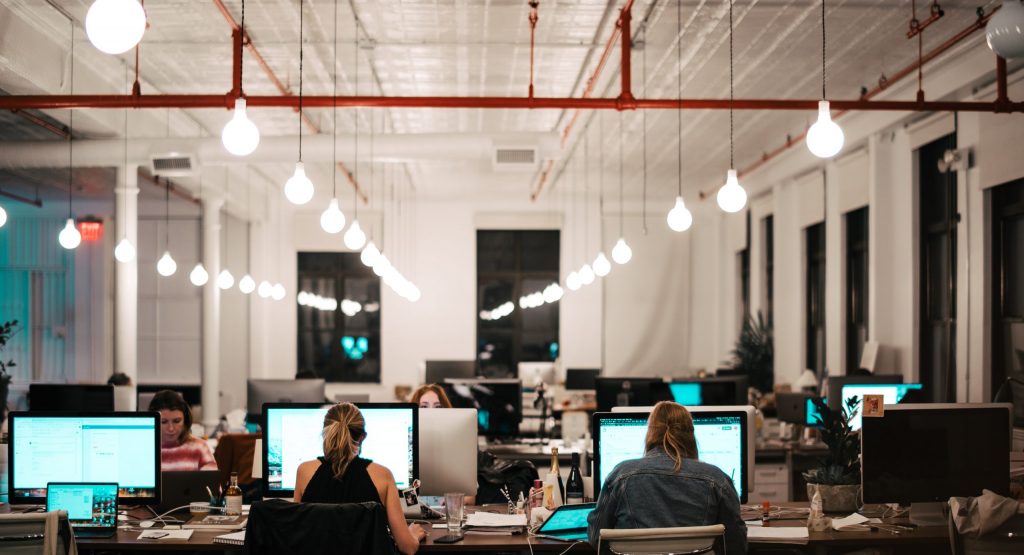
x=344, y=429
x=670, y=427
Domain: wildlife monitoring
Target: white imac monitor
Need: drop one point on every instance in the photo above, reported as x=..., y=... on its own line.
x=448, y=443
x=534, y=373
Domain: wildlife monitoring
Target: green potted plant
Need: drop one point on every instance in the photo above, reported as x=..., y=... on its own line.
x=7, y=329
x=837, y=477
x=755, y=353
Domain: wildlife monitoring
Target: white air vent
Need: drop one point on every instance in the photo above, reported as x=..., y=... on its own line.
x=174, y=164
x=515, y=159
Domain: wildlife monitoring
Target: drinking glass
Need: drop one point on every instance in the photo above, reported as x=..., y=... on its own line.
x=454, y=510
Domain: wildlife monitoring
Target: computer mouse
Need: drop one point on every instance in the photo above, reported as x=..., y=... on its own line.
x=122, y=518
x=146, y=524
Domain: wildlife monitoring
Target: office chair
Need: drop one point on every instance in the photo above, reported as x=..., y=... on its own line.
x=1008, y=538
x=279, y=526
x=35, y=533
x=1012, y=391
x=683, y=540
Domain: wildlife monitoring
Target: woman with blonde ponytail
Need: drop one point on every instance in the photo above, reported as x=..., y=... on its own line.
x=669, y=486
x=341, y=476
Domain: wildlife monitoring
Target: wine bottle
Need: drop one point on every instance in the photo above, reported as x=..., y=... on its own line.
x=557, y=472
x=574, y=485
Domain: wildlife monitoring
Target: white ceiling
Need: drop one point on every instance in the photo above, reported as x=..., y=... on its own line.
x=482, y=48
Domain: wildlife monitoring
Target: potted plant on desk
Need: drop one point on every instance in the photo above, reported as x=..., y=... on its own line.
x=837, y=478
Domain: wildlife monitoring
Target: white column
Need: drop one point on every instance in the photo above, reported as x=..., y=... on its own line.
x=126, y=290
x=211, y=312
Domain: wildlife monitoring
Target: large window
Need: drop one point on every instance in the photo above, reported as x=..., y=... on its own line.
x=856, y=286
x=743, y=263
x=938, y=209
x=815, y=311
x=769, y=269
x=1008, y=282
x=339, y=318
x=511, y=265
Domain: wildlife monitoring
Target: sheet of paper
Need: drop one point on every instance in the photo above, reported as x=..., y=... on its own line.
x=164, y=535
x=777, y=533
x=493, y=519
x=852, y=520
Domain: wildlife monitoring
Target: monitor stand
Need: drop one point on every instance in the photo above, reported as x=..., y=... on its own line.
x=928, y=514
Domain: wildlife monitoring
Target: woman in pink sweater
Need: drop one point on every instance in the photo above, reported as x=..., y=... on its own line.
x=179, y=449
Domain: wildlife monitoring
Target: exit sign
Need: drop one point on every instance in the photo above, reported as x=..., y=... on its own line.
x=91, y=231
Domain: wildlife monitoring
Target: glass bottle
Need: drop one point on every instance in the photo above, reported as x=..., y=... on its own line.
x=557, y=472
x=233, y=497
x=574, y=485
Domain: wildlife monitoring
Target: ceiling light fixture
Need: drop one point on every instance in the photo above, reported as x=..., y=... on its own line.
x=731, y=196
x=586, y=272
x=1005, y=31
x=601, y=264
x=247, y=285
x=299, y=189
x=166, y=266
x=3, y=216
x=824, y=138
x=355, y=237
x=240, y=135
x=621, y=253
x=115, y=26
x=572, y=281
x=679, y=218
x=69, y=237
x=332, y=220
x=199, y=276
x=265, y=289
x=125, y=251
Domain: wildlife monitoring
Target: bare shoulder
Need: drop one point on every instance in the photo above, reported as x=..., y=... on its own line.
x=308, y=467
x=378, y=472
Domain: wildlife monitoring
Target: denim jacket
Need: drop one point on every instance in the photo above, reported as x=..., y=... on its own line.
x=649, y=493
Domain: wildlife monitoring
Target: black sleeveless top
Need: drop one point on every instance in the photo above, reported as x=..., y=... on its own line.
x=355, y=486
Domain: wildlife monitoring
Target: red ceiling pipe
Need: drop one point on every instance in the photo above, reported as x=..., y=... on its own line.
x=55, y=129
x=533, y=31
x=917, y=26
x=1002, y=100
x=14, y=196
x=236, y=66
x=626, y=99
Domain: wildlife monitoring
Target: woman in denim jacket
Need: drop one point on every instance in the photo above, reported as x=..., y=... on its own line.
x=669, y=487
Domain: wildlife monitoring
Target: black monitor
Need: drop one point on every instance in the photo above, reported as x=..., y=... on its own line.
x=792, y=407
x=192, y=393
x=581, y=379
x=51, y=397
x=498, y=404
x=120, y=447
x=261, y=392
x=713, y=391
x=630, y=392
x=437, y=371
x=927, y=453
x=835, y=385
x=293, y=434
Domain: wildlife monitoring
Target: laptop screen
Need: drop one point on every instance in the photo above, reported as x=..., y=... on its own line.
x=88, y=505
x=568, y=518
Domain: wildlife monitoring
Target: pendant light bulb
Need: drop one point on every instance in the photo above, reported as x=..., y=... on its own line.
x=225, y=280
x=115, y=26
x=824, y=138
x=601, y=265
x=246, y=284
x=124, y=251
x=240, y=135
x=1005, y=31
x=166, y=266
x=69, y=237
x=277, y=293
x=3, y=216
x=381, y=265
x=731, y=196
x=370, y=254
x=586, y=274
x=414, y=293
x=573, y=281
x=265, y=289
x=621, y=253
x=332, y=220
x=355, y=238
x=298, y=189
x=679, y=218
x=199, y=276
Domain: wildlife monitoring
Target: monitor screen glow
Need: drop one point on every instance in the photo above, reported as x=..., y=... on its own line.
x=891, y=394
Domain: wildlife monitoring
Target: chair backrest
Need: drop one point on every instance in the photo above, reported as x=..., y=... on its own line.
x=29, y=534
x=650, y=541
x=1007, y=538
x=279, y=526
x=235, y=453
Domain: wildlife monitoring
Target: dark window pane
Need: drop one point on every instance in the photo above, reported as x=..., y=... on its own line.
x=540, y=251
x=495, y=251
x=1007, y=282
x=815, y=301
x=856, y=286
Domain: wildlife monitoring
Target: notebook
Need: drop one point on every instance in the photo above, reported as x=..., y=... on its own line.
x=567, y=523
x=236, y=538
x=91, y=506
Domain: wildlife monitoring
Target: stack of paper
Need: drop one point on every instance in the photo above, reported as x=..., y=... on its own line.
x=778, y=534
x=497, y=524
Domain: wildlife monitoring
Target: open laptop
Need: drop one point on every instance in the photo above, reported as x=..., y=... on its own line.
x=91, y=506
x=567, y=523
x=179, y=488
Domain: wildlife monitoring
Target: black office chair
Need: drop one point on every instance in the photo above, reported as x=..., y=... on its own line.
x=1012, y=391
x=279, y=526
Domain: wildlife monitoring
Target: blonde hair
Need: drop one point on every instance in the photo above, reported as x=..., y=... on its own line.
x=431, y=388
x=670, y=427
x=344, y=429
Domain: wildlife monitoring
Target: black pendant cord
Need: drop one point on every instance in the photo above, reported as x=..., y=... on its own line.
x=71, y=123
x=167, y=214
x=679, y=93
x=241, y=54
x=124, y=170
x=732, y=161
x=301, y=52
x=600, y=180
x=355, y=124
x=586, y=197
x=621, y=187
x=823, y=49
x=334, y=115
x=644, y=207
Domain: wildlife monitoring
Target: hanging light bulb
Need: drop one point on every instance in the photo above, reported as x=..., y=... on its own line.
x=225, y=280
x=824, y=138
x=199, y=276
x=265, y=289
x=731, y=196
x=246, y=284
x=586, y=274
x=1005, y=31
x=124, y=251
x=166, y=266
x=601, y=265
x=298, y=189
x=240, y=135
x=370, y=254
x=679, y=218
x=115, y=26
x=572, y=281
x=621, y=253
x=69, y=237
x=381, y=265
x=332, y=220
x=354, y=237
x=414, y=293
x=3, y=216
x=277, y=293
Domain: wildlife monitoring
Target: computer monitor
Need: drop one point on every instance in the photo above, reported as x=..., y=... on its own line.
x=792, y=407
x=714, y=391
x=261, y=392
x=145, y=398
x=834, y=385
x=534, y=373
x=723, y=436
x=498, y=402
x=437, y=371
x=120, y=447
x=581, y=379
x=891, y=395
x=448, y=451
x=293, y=434
x=51, y=397
x=192, y=393
x=813, y=415
x=630, y=392
x=927, y=453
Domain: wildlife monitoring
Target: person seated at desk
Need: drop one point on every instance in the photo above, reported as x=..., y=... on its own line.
x=669, y=486
x=430, y=396
x=179, y=449
x=341, y=476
